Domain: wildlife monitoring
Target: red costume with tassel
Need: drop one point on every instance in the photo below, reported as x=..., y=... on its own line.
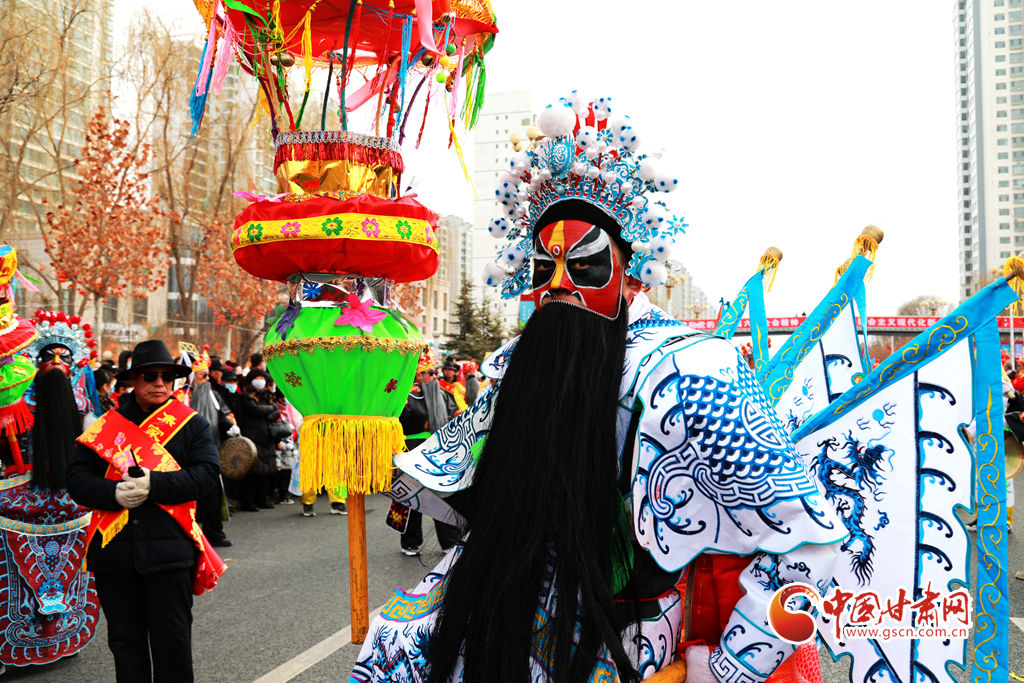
x=49, y=608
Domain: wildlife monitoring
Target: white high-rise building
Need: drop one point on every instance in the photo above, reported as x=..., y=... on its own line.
x=504, y=113
x=989, y=81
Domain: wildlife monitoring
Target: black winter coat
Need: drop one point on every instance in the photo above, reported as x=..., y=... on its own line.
x=152, y=541
x=256, y=410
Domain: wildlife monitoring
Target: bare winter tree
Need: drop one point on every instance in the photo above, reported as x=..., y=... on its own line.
x=46, y=96
x=195, y=176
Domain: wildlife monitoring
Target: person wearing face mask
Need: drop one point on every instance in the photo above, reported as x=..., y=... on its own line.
x=255, y=412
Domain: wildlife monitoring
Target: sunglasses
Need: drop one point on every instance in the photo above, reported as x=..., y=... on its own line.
x=150, y=377
x=48, y=355
x=432, y=373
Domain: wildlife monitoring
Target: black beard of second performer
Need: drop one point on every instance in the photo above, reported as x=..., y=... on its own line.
x=57, y=425
x=546, y=479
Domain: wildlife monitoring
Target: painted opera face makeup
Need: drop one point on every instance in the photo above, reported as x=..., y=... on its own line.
x=574, y=261
x=55, y=357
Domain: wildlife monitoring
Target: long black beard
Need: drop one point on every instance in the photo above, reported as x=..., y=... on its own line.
x=546, y=481
x=57, y=425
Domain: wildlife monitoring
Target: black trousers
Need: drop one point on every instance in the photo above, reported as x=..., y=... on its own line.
x=447, y=535
x=282, y=478
x=253, y=488
x=149, y=614
x=208, y=514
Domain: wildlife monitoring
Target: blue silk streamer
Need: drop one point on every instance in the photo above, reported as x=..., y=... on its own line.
x=752, y=297
x=967, y=319
x=991, y=608
x=197, y=103
x=778, y=373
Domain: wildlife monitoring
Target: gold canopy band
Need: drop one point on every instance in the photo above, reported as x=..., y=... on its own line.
x=301, y=177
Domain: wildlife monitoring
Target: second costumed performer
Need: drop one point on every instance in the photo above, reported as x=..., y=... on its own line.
x=636, y=502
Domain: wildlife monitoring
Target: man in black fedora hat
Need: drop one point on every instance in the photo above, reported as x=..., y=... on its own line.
x=145, y=571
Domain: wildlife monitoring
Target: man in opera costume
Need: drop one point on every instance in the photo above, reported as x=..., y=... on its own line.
x=49, y=607
x=632, y=502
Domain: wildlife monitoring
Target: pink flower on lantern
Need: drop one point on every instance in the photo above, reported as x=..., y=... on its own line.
x=291, y=228
x=360, y=314
x=371, y=228
x=430, y=234
x=236, y=238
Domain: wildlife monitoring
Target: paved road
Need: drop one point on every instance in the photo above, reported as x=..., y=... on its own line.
x=287, y=590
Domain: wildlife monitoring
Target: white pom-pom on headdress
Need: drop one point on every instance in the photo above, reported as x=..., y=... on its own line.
x=665, y=181
x=557, y=120
x=493, y=275
x=519, y=162
x=499, y=227
x=513, y=257
x=619, y=124
x=653, y=273
x=505, y=193
x=647, y=169
x=661, y=247
x=578, y=104
x=586, y=137
x=628, y=139
x=653, y=216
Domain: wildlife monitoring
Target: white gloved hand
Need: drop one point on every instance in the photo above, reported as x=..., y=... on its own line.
x=698, y=666
x=140, y=482
x=129, y=496
x=233, y=430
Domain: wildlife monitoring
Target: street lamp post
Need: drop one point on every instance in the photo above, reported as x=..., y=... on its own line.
x=534, y=135
x=696, y=310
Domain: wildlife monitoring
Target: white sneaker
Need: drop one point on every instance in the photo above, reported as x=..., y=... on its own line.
x=411, y=552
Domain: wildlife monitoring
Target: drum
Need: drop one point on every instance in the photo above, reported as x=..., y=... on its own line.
x=237, y=456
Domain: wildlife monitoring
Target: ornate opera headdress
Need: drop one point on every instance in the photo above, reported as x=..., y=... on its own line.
x=202, y=360
x=57, y=327
x=427, y=361
x=591, y=156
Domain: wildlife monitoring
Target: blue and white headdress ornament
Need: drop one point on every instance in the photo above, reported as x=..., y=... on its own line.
x=587, y=155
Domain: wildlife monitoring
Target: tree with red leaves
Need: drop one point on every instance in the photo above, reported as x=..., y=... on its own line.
x=111, y=240
x=409, y=296
x=236, y=298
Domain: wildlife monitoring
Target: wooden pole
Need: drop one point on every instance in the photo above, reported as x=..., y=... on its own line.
x=359, y=597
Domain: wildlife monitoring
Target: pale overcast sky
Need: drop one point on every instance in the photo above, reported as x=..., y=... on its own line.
x=790, y=124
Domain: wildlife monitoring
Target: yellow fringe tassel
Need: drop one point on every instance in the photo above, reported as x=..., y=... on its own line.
x=842, y=269
x=866, y=245
x=769, y=265
x=354, y=451
x=458, y=149
x=112, y=530
x=1013, y=271
x=276, y=15
x=307, y=47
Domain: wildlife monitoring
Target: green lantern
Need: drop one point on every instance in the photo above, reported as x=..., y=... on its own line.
x=351, y=386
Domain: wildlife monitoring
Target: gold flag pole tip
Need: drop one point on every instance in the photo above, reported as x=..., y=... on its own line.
x=769, y=265
x=866, y=245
